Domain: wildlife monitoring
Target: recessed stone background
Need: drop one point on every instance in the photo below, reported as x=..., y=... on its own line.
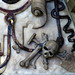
x=50, y=28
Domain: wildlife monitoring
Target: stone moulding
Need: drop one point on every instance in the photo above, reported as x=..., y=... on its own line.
x=71, y=7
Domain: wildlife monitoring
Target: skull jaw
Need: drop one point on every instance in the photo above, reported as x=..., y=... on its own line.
x=47, y=56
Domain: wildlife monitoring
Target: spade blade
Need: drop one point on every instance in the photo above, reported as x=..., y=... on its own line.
x=68, y=61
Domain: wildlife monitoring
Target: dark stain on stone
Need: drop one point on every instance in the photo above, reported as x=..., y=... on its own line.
x=10, y=1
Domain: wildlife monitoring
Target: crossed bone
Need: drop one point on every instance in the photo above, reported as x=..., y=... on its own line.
x=36, y=52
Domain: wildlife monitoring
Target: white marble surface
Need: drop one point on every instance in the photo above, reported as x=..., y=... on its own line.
x=50, y=28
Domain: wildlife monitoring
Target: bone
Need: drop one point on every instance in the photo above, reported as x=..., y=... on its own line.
x=15, y=47
x=26, y=62
x=45, y=63
x=44, y=37
x=33, y=39
x=34, y=61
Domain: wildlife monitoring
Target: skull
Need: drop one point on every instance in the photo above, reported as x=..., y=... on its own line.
x=49, y=49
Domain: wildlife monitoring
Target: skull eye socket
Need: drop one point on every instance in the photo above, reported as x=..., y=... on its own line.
x=50, y=53
x=45, y=48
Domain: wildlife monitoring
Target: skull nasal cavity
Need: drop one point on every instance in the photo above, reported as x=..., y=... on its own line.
x=45, y=48
x=45, y=53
